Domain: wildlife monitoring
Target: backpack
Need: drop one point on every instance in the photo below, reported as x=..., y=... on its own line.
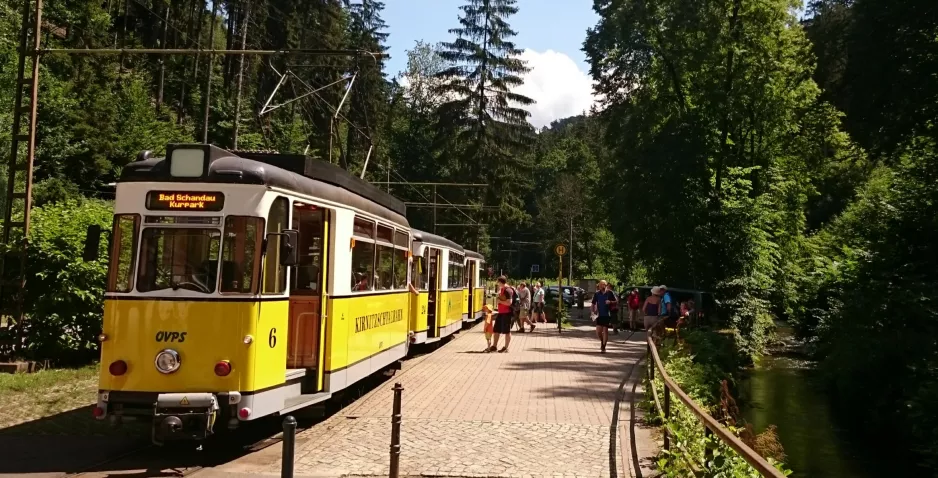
x=515, y=301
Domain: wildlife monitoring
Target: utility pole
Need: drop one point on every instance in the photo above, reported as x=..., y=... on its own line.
x=207, y=98
x=570, y=276
x=25, y=104
x=244, y=39
x=162, y=76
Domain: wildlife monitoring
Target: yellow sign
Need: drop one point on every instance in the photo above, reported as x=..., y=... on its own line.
x=185, y=201
x=560, y=249
x=184, y=401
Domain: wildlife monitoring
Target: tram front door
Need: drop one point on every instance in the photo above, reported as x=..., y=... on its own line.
x=306, y=286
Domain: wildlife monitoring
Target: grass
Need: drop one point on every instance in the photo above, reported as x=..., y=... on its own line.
x=29, y=396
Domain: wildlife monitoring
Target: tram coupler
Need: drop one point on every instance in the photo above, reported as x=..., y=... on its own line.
x=183, y=416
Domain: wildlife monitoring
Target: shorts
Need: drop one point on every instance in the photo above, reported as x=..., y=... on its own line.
x=650, y=321
x=503, y=323
x=603, y=321
x=538, y=307
x=523, y=314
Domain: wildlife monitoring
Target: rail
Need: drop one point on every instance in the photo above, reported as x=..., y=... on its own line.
x=710, y=424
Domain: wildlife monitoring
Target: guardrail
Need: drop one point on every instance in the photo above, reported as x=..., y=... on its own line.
x=711, y=426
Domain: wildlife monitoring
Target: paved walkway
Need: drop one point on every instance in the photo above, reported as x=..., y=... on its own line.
x=546, y=408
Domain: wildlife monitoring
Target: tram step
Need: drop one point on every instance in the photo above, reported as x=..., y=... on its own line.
x=301, y=401
x=295, y=373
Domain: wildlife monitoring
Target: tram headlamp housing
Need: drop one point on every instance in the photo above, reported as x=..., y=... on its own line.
x=167, y=361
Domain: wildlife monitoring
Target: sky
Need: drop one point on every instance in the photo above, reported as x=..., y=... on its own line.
x=551, y=33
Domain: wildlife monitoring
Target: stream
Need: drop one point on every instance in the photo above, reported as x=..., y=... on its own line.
x=786, y=390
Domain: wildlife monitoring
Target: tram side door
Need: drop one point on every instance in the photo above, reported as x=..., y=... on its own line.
x=473, y=265
x=434, y=269
x=305, y=337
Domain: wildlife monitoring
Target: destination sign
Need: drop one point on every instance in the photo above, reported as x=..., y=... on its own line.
x=185, y=201
x=368, y=322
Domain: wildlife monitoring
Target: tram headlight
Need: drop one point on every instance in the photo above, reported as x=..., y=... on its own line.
x=167, y=361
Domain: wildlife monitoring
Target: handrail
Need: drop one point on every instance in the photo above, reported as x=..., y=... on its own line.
x=748, y=454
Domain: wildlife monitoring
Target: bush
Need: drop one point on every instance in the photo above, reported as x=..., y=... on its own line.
x=64, y=295
x=702, y=365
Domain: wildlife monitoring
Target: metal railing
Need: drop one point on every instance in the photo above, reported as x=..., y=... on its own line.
x=711, y=426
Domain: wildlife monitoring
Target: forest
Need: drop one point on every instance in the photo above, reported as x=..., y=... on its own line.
x=783, y=158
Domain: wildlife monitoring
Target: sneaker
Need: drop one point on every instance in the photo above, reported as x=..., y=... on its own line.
x=503, y=350
x=532, y=328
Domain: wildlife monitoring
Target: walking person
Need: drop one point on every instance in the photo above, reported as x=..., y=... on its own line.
x=504, y=318
x=524, y=297
x=539, y=315
x=635, y=305
x=614, y=310
x=652, y=309
x=602, y=301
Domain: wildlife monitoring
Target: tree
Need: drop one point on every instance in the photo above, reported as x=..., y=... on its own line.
x=481, y=124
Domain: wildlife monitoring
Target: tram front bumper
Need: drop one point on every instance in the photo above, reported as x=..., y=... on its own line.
x=174, y=416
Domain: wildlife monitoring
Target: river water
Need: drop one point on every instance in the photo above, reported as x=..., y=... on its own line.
x=786, y=390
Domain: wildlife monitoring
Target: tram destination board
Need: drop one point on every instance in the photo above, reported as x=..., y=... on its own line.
x=185, y=201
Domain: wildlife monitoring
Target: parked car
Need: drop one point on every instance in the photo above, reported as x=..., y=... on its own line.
x=569, y=294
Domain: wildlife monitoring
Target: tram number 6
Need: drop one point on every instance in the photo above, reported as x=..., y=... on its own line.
x=272, y=338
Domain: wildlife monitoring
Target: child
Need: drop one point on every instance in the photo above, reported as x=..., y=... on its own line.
x=489, y=327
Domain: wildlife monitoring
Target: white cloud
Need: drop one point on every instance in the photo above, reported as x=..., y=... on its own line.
x=558, y=86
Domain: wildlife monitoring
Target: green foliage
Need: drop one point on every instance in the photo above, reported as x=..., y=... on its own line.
x=698, y=366
x=64, y=294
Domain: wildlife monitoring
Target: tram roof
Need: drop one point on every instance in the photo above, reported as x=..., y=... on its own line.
x=474, y=255
x=433, y=239
x=294, y=172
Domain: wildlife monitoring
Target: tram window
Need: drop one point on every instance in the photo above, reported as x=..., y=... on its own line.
x=179, y=259
x=239, y=253
x=363, y=266
x=385, y=234
x=364, y=228
x=275, y=275
x=419, y=272
x=123, y=253
x=401, y=239
x=425, y=275
x=465, y=274
x=399, y=278
x=385, y=263
x=308, y=220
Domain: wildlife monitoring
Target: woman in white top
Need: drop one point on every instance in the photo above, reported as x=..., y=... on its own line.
x=539, y=315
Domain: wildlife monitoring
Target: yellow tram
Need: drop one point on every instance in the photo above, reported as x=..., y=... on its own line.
x=438, y=270
x=242, y=285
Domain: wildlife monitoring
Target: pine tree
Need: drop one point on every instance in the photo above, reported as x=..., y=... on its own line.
x=482, y=125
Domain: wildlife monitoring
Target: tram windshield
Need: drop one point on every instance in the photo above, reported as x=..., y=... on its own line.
x=179, y=258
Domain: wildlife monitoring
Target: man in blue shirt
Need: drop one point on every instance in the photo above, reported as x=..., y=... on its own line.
x=665, y=302
x=603, y=300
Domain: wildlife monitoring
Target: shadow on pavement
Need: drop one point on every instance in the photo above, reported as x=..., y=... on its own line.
x=65, y=442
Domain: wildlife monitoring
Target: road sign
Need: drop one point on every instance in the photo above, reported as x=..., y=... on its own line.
x=535, y=268
x=560, y=249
